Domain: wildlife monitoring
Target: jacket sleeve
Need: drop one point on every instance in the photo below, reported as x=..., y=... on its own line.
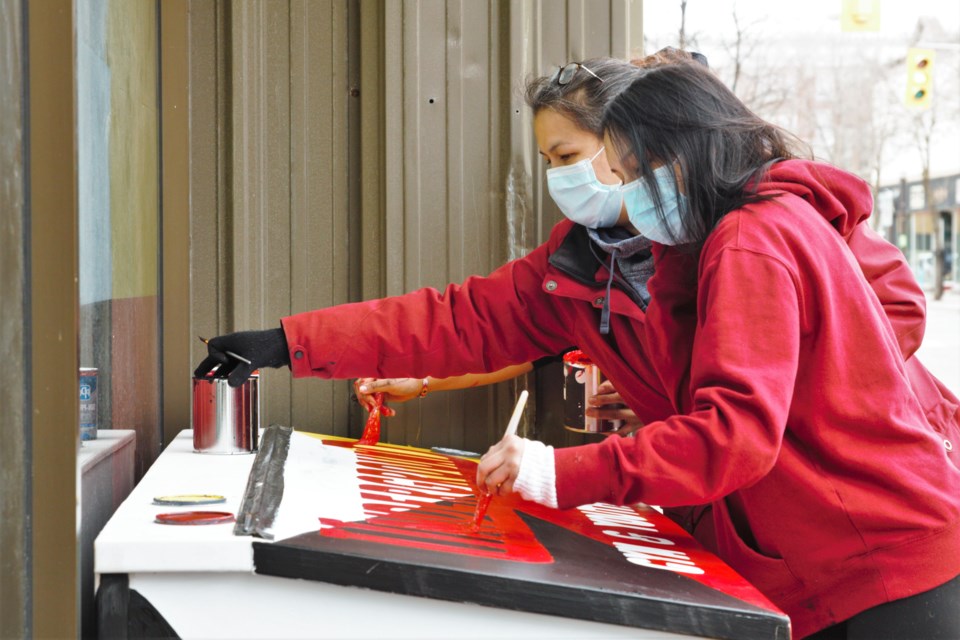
x=891, y=278
x=482, y=325
x=743, y=384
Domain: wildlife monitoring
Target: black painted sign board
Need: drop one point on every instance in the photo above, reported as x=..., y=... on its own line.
x=626, y=565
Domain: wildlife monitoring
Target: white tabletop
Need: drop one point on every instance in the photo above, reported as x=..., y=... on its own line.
x=131, y=541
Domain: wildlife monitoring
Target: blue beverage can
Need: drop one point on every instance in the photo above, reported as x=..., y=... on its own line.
x=88, y=403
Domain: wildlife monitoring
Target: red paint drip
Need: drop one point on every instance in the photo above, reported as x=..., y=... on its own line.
x=371, y=431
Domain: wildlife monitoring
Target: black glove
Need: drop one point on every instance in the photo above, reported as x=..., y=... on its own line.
x=262, y=348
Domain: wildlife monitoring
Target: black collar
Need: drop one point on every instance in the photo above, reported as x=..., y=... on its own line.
x=579, y=257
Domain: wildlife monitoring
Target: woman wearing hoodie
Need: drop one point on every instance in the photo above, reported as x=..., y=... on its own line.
x=771, y=378
x=796, y=417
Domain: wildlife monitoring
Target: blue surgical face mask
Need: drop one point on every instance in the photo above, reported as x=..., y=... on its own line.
x=642, y=212
x=583, y=198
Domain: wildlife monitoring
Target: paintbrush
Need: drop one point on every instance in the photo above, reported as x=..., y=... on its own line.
x=483, y=500
x=229, y=353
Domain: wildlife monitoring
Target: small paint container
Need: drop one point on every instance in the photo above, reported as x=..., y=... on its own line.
x=194, y=517
x=226, y=419
x=88, y=403
x=580, y=381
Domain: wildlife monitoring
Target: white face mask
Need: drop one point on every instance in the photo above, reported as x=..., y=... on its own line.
x=583, y=198
x=642, y=211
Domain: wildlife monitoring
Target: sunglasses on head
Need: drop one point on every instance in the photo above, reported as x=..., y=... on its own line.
x=566, y=73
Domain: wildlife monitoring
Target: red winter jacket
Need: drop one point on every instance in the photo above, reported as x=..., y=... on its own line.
x=772, y=382
x=888, y=274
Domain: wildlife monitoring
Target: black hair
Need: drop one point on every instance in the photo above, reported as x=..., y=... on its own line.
x=583, y=99
x=682, y=112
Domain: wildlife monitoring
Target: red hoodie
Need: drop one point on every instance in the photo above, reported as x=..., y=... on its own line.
x=794, y=413
x=888, y=274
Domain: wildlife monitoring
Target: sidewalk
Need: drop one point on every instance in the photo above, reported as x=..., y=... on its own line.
x=940, y=351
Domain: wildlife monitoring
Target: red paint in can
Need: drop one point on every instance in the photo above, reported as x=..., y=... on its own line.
x=580, y=381
x=226, y=419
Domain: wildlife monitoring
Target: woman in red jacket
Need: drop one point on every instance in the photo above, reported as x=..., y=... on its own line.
x=772, y=382
x=796, y=419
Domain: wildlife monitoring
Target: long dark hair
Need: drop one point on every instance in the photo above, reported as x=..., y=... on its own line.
x=683, y=112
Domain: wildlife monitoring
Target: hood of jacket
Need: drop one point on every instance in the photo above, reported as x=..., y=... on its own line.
x=842, y=198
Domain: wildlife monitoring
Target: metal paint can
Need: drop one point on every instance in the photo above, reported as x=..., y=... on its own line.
x=88, y=403
x=226, y=419
x=580, y=381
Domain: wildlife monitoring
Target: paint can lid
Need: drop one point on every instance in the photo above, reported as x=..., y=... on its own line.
x=194, y=517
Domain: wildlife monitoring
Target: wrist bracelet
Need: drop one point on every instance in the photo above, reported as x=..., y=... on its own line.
x=425, y=388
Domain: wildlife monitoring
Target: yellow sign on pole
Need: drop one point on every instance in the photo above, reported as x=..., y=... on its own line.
x=860, y=15
x=919, y=78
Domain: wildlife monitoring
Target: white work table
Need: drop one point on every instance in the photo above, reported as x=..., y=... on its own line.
x=132, y=542
x=199, y=580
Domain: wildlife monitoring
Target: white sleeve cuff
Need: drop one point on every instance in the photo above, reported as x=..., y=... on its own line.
x=537, y=480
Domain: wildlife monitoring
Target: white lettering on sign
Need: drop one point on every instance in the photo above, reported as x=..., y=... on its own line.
x=630, y=525
x=676, y=561
x=633, y=535
x=608, y=515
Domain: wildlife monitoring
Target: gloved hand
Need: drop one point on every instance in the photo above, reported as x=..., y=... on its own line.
x=262, y=348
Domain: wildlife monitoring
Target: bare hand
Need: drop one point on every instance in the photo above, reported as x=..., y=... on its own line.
x=393, y=389
x=500, y=465
x=608, y=404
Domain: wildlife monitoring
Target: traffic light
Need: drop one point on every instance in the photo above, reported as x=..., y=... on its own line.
x=860, y=15
x=919, y=78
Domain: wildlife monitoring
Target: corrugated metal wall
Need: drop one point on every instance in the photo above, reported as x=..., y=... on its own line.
x=368, y=149
x=444, y=200
x=275, y=211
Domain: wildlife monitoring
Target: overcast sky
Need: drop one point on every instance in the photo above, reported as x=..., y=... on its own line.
x=789, y=16
x=710, y=23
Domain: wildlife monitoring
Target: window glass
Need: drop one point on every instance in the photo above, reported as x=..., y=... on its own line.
x=117, y=142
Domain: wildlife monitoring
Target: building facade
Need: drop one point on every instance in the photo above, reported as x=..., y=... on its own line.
x=922, y=224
